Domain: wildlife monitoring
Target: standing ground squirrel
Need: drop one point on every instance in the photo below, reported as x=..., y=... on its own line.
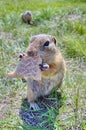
x=45, y=46
x=43, y=67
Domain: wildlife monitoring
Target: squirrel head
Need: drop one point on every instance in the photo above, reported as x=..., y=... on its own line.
x=44, y=45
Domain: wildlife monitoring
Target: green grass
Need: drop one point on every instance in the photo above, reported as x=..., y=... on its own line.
x=64, y=19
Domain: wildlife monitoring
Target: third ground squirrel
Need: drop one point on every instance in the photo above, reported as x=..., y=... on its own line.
x=46, y=47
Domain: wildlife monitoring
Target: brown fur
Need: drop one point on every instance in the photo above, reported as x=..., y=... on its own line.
x=54, y=75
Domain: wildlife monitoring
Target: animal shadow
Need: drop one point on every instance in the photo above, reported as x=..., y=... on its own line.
x=43, y=118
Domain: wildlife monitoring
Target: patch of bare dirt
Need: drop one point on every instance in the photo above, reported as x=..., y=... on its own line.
x=73, y=17
x=10, y=105
x=70, y=17
x=4, y=35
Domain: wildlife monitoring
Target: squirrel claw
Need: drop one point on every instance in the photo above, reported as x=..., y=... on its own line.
x=44, y=67
x=34, y=106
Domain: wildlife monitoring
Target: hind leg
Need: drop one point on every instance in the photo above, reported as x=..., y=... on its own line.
x=32, y=97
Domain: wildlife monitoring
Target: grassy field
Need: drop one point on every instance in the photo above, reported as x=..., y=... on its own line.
x=64, y=19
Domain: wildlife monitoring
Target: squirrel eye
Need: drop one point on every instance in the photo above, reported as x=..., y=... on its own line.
x=46, y=43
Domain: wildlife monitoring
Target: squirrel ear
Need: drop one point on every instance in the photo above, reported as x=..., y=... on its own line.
x=33, y=38
x=54, y=39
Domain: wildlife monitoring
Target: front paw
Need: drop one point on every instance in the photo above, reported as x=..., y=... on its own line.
x=44, y=66
x=34, y=106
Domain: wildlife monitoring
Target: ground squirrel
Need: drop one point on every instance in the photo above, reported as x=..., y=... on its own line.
x=27, y=17
x=45, y=46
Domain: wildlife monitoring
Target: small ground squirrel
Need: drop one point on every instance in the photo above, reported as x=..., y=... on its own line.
x=45, y=46
x=27, y=17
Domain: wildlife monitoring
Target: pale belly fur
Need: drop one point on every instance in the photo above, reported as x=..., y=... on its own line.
x=46, y=85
